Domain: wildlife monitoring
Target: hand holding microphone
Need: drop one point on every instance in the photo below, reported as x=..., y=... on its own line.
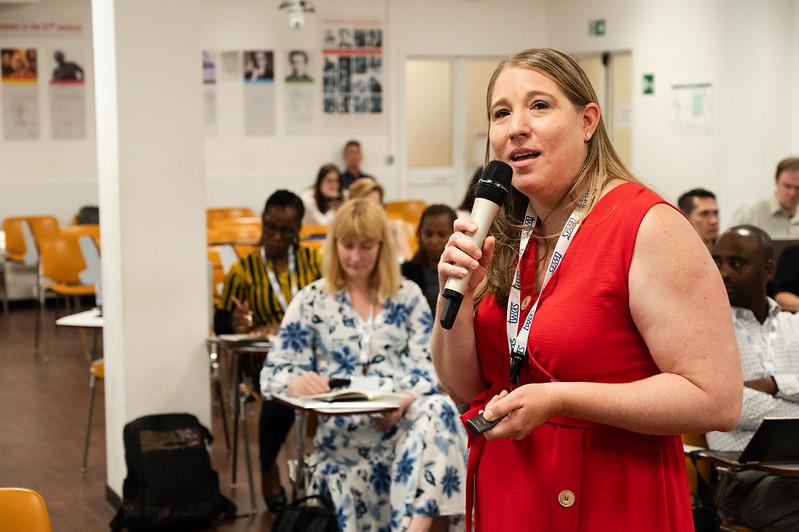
x=463, y=249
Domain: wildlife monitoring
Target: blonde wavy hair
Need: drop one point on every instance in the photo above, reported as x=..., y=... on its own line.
x=361, y=220
x=363, y=186
x=601, y=164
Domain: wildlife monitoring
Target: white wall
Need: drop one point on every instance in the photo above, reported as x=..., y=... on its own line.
x=47, y=176
x=745, y=48
x=748, y=50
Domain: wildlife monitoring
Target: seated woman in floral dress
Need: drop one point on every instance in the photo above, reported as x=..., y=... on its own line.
x=403, y=470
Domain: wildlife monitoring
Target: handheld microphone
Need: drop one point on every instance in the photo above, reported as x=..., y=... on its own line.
x=492, y=191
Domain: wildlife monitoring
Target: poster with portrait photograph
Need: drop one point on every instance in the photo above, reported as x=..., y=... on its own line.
x=209, y=92
x=259, y=92
x=352, y=70
x=67, y=94
x=300, y=93
x=20, y=76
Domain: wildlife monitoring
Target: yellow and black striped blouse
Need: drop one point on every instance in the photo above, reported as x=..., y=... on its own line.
x=248, y=281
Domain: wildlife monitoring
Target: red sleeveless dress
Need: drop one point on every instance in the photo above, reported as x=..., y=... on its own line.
x=569, y=474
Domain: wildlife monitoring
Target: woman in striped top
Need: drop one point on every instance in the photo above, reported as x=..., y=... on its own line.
x=258, y=288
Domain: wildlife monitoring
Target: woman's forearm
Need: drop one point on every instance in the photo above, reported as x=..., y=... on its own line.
x=455, y=354
x=662, y=404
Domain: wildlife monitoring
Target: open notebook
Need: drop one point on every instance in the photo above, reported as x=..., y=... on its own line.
x=363, y=395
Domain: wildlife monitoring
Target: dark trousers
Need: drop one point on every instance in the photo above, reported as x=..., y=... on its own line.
x=273, y=427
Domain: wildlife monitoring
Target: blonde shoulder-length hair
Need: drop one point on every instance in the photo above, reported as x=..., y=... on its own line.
x=361, y=220
x=601, y=164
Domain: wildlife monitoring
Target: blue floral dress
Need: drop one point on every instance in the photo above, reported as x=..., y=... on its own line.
x=377, y=481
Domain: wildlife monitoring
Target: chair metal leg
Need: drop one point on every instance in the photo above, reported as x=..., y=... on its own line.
x=221, y=398
x=92, y=387
x=236, y=415
x=246, y=442
x=301, y=423
x=4, y=285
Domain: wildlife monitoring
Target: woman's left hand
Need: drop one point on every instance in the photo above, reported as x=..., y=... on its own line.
x=522, y=410
x=389, y=419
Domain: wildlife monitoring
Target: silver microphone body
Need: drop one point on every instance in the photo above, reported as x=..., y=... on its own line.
x=492, y=191
x=483, y=213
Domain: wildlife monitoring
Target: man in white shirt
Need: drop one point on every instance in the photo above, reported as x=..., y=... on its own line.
x=778, y=214
x=767, y=338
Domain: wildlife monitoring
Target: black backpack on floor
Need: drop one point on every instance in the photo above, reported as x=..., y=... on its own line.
x=170, y=483
x=314, y=513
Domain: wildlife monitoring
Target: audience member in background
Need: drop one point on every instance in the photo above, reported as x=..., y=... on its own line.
x=464, y=210
x=257, y=291
x=435, y=228
x=777, y=214
x=700, y=206
x=769, y=344
x=322, y=199
x=352, y=164
x=400, y=470
x=786, y=280
x=401, y=231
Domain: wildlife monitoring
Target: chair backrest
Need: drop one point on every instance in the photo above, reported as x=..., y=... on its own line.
x=244, y=220
x=15, y=242
x=408, y=210
x=25, y=235
x=62, y=259
x=234, y=234
x=313, y=235
x=23, y=509
x=85, y=230
x=213, y=216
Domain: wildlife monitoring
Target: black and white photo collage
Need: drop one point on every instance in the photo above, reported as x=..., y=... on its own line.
x=353, y=70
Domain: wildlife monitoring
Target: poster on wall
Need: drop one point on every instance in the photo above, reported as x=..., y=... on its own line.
x=352, y=86
x=20, y=93
x=692, y=111
x=67, y=95
x=259, y=92
x=209, y=92
x=300, y=93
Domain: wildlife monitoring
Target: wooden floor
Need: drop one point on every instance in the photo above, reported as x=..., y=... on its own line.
x=43, y=406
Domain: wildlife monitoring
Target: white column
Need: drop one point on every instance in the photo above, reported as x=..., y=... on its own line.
x=152, y=199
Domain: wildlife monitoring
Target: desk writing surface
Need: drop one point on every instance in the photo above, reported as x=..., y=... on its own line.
x=337, y=409
x=88, y=318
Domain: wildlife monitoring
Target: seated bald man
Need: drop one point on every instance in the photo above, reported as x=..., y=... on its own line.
x=768, y=340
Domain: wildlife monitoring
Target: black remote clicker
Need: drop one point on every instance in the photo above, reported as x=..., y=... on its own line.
x=478, y=424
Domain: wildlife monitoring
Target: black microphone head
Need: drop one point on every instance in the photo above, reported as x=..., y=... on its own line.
x=494, y=185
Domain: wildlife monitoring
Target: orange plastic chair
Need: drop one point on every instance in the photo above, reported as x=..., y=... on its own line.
x=62, y=262
x=408, y=210
x=42, y=228
x=23, y=509
x=214, y=216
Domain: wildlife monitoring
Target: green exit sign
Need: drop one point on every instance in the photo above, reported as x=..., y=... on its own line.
x=597, y=27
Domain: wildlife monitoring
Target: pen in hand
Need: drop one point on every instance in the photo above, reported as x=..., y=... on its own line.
x=242, y=314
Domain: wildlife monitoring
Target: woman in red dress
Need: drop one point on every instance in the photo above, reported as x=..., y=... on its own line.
x=629, y=344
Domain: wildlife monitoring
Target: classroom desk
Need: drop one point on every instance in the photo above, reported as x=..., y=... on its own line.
x=727, y=459
x=302, y=411
x=235, y=348
x=88, y=319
